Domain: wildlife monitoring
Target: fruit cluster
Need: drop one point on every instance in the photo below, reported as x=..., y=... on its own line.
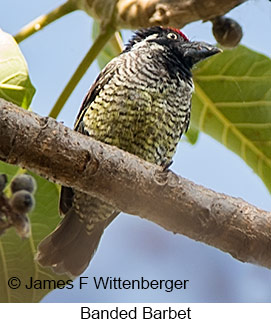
x=14, y=210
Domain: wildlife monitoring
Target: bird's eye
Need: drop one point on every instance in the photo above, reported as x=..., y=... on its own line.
x=172, y=36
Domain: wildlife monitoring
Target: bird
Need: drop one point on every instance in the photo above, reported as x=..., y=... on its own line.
x=140, y=103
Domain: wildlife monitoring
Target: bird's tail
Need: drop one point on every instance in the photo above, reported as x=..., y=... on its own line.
x=69, y=248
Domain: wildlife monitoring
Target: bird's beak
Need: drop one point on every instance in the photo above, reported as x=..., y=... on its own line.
x=198, y=51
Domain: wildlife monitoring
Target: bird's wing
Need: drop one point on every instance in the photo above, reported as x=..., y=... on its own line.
x=67, y=193
x=103, y=78
x=187, y=119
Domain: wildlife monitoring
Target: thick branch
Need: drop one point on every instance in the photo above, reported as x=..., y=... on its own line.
x=133, y=14
x=134, y=186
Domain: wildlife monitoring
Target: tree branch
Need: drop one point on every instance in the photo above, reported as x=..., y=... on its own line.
x=133, y=14
x=44, y=20
x=134, y=186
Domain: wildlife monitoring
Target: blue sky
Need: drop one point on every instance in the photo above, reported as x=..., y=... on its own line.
x=132, y=247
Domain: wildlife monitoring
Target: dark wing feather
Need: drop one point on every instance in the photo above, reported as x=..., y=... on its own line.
x=187, y=119
x=103, y=78
x=66, y=195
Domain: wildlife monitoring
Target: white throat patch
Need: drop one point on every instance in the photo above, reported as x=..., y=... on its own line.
x=154, y=45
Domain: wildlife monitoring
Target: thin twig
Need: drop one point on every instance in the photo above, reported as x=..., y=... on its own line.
x=44, y=20
x=105, y=34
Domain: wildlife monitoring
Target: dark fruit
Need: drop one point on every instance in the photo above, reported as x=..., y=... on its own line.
x=227, y=31
x=23, y=182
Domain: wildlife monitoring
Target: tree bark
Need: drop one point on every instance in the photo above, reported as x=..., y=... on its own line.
x=133, y=14
x=61, y=155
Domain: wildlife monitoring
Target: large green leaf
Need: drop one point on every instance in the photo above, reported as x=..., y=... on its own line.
x=111, y=49
x=17, y=255
x=232, y=103
x=15, y=85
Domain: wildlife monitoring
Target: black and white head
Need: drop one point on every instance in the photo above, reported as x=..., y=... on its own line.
x=172, y=41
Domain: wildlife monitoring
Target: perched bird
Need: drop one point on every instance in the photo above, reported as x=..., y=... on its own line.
x=141, y=103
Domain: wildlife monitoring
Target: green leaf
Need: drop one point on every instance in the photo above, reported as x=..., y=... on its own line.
x=17, y=255
x=111, y=49
x=232, y=103
x=9, y=170
x=15, y=85
x=192, y=135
